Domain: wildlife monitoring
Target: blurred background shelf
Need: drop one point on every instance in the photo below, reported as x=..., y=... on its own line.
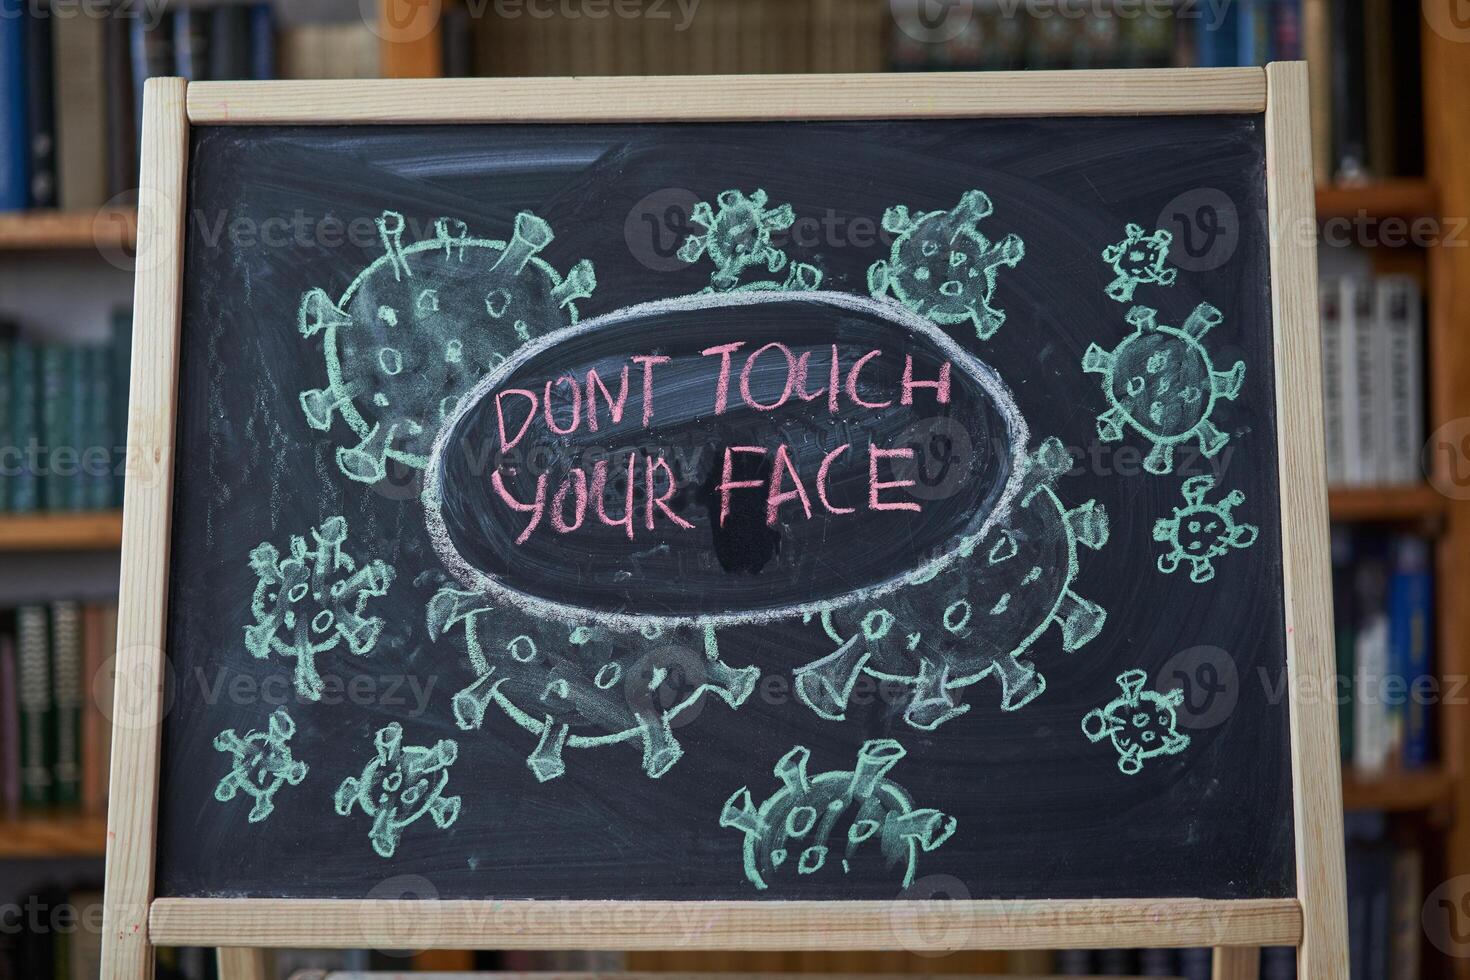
x=110, y=228
x=1401, y=503
x=1396, y=792
x=43, y=835
x=86, y=531
x=1380, y=199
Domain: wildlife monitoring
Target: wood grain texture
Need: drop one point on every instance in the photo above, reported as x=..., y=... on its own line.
x=142, y=596
x=242, y=964
x=1306, y=575
x=931, y=927
x=1447, y=146
x=1236, y=963
x=1163, y=91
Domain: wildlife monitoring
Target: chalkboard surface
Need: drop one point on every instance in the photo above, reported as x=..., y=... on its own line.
x=757, y=511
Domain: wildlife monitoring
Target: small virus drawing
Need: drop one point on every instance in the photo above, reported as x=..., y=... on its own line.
x=262, y=764
x=417, y=327
x=1142, y=724
x=578, y=687
x=1139, y=259
x=399, y=785
x=312, y=601
x=978, y=617
x=853, y=819
x=737, y=237
x=1160, y=382
x=943, y=267
x=1198, y=533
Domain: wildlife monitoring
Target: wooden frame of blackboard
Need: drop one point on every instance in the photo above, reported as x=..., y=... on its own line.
x=1314, y=921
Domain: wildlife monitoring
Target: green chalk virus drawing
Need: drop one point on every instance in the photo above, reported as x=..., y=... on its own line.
x=416, y=328
x=577, y=687
x=1142, y=724
x=852, y=818
x=313, y=601
x=976, y=618
x=943, y=267
x=1160, y=382
x=399, y=785
x=737, y=237
x=262, y=764
x=1198, y=533
x=1139, y=259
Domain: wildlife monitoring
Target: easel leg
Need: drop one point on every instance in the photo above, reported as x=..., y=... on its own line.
x=240, y=963
x=1233, y=963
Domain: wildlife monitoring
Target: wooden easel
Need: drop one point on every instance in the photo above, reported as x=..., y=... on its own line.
x=1314, y=921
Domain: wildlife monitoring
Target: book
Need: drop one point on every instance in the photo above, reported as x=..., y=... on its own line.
x=1344, y=635
x=1253, y=33
x=1406, y=894
x=25, y=481
x=97, y=428
x=1372, y=745
x=58, y=455
x=1400, y=323
x=120, y=353
x=35, y=703
x=15, y=180
x=1317, y=46
x=262, y=42
x=1349, y=91
x=40, y=110
x=10, y=794
x=66, y=702
x=152, y=48
x=1410, y=643
x=95, y=714
x=122, y=144
x=1334, y=373
x=1217, y=36
x=191, y=43
x=1362, y=426
x=81, y=122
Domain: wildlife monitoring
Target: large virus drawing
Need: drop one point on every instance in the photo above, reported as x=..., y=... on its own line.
x=1142, y=724
x=312, y=601
x=1139, y=259
x=975, y=618
x=853, y=819
x=577, y=687
x=417, y=327
x=943, y=267
x=399, y=785
x=1198, y=533
x=737, y=237
x=263, y=764
x=1160, y=382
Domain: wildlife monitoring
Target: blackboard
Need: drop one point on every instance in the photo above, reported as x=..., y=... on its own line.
x=1109, y=399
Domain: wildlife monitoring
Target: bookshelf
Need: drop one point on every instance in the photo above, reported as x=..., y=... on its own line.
x=83, y=531
x=55, y=835
x=114, y=228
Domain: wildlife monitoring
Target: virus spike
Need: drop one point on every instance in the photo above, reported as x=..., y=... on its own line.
x=1131, y=761
x=1226, y=384
x=367, y=461
x=974, y=205
x=1169, y=563
x=875, y=759
x=470, y=704
x=779, y=218
x=1110, y=425
x=878, y=277
x=385, y=833
x=578, y=284
x=791, y=769
x=444, y=810
x=1080, y=619
x=390, y=231
x=389, y=742
x=740, y=812
x=1097, y=726
x=926, y=827
x=545, y=761
x=308, y=681
x=732, y=685
x=317, y=312
x=1089, y=524
x=228, y=741
x=531, y=235
x=1244, y=535
x=1050, y=460
x=898, y=220
x=1160, y=459
x=933, y=702
x=281, y=726
x=449, y=607
x=1204, y=318
x=452, y=232
x=1097, y=360
x=660, y=749
x=1143, y=318
x=1194, y=491
x=826, y=685
x=1202, y=570
x=803, y=276
x=1020, y=684
x=1131, y=683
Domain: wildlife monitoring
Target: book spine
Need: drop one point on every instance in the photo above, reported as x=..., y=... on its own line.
x=40, y=110
x=35, y=706
x=1349, y=93
x=1364, y=401
x=66, y=668
x=191, y=43
x=81, y=124
x=1344, y=617
x=120, y=348
x=10, y=795
x=1333, y=409
x=97, y=458
x=55, y=428
x=24, y=393
x=262, y=42
x=1371, y=734
x=1417, y=643
x=1350, y=381
x=122, y=147
x=1401, y=312
x=15, y=181
x=79, y=409
x=1406, y=891
x=9, y=445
